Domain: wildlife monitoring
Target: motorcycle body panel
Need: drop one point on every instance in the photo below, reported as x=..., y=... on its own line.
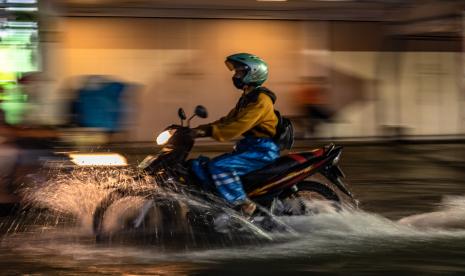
x=285, y=171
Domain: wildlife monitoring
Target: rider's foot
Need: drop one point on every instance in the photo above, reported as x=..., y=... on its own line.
x=248, y=208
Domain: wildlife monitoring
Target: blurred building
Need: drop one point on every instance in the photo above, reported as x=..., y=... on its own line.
x=395, y=67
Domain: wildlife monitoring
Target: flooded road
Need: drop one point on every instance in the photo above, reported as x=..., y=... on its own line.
x=392, y=182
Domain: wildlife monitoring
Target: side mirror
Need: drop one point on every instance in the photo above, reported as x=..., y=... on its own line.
x=201, y=111
x=181, y=114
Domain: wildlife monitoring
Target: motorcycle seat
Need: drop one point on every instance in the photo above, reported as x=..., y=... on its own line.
x=279, y=167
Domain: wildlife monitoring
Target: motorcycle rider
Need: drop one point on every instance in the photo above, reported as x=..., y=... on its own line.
x=254, y=118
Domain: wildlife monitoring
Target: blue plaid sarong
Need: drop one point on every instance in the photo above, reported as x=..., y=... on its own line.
x=249, y=154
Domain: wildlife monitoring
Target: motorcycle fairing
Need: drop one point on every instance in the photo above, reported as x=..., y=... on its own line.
x=281, y=171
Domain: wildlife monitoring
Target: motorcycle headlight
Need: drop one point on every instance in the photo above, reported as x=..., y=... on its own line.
x=164, y=137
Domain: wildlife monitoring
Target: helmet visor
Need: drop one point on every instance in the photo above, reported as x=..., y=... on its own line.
x=234, y=65
x=229, y=64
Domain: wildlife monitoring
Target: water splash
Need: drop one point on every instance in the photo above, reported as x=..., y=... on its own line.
x=450, y=215
x=329, y=232
x=73, y=196
x=75, y=193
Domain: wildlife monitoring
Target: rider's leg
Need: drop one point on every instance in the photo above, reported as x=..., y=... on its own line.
x=250, y=154
x=230, y=187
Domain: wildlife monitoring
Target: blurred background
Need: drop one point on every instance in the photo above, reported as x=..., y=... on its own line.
x=383, y=78
x=360, y=69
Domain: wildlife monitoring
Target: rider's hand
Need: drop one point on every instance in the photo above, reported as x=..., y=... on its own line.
x=201, y=132
x=198, y=132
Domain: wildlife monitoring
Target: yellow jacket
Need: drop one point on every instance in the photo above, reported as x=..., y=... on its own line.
x=253, y=115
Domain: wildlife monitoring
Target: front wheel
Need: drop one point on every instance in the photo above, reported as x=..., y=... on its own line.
x=113, y=197
x=138, y=213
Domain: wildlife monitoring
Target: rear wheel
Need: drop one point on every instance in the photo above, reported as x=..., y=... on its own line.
x=313, y=190
x=312, y=197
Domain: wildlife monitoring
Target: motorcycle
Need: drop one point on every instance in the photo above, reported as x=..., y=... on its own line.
x=176, y=200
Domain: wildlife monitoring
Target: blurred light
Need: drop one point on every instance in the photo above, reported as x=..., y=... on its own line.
x=21, y=1
x=18, y=35
x=98, y=159
x=19, y=32
x=21, y=9
x=17, y=24
x=6, y=77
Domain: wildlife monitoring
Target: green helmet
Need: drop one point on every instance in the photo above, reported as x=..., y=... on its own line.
x=256, y=69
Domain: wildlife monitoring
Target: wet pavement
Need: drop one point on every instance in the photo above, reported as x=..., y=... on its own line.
x=392, y=181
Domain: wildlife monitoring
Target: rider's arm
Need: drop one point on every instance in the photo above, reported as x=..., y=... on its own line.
x=205, y=130
x=237, y=123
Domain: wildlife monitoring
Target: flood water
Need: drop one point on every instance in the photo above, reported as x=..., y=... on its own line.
x=392, y=182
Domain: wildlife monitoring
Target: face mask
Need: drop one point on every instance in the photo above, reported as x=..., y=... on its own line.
x=238, y=83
